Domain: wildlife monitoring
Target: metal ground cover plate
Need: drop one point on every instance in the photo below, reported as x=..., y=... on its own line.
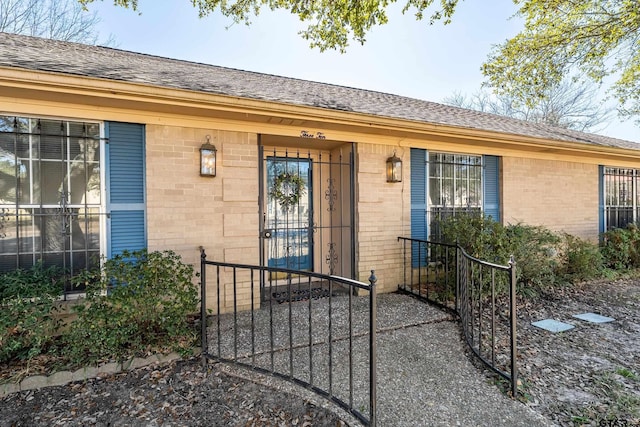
x=553, y=325
x=594, y=318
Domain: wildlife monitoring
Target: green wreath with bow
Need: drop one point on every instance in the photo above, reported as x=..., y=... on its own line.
x=287, y=189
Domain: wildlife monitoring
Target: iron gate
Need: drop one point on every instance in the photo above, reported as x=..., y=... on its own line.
x=306, y=212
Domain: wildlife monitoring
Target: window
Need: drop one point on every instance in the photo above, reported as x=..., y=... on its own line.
x=445, y=184
x=621, y=197
x=50, y=193
x=454, y=186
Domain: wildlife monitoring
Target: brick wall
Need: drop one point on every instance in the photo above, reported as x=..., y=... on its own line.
x=185, y=210
x=562, y=196
x=384, y=212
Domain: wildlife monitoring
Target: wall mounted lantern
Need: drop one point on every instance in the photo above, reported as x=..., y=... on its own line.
x=394, y=168
x=208, y=158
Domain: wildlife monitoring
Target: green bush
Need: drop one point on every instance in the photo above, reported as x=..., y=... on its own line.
x=581, y=260
x=535, y=249
x=27, y=306
x=140, y=305
x=621, y=247
x=477, y=234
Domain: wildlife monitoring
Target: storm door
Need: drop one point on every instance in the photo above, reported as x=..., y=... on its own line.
x=306, y=213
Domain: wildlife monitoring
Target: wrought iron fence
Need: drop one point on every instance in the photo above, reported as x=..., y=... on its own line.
x=429, y=271
x=306, y=332
x=483, y=295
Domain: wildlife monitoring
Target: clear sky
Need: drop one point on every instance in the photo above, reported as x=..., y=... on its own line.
x=404, y=57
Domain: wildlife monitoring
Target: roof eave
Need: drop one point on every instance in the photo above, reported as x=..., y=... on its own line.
x=131, y=92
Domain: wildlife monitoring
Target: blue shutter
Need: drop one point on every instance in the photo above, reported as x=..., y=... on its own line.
x=125, y=187
x=601, y=220
x=419, y=226
x=418, y=193
x=492, y=187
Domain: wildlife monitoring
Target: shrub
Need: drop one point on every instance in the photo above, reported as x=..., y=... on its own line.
x=480, y=236
x=581, y=260
x=621, y=247
x=141, y=303
x=534, y=248
x=27, y=306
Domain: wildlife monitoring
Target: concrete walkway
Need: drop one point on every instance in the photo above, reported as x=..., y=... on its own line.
x=425, y=377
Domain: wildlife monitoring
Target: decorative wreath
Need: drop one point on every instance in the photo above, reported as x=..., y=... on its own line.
x=287, y=189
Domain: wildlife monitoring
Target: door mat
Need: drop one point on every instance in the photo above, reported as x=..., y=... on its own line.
x=553, y=325
x=301, y=295
x=594, y=318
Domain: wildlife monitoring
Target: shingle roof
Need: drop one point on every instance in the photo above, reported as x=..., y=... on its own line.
x=113, y=64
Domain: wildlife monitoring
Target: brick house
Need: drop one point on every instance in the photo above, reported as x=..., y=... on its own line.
x=100, y=152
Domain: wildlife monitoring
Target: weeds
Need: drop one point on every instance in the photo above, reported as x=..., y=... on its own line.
x=619, y=405
x=627, y=373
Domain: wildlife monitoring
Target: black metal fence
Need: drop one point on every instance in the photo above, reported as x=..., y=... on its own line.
x=483, y=294
x=315, y=330
x=429, y=271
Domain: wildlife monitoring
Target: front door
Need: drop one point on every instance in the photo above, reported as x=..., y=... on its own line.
x=306, y=206
x=288, y=213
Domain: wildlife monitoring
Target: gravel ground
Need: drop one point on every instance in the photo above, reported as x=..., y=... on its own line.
x=423, y=371
x=425, y=376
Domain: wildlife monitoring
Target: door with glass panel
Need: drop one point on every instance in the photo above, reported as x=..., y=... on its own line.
x=50, y=194
x=288, y=213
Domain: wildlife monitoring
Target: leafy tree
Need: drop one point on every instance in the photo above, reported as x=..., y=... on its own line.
x=572, y=106
x=597, y=37
x=331, y=22
x=54, y=19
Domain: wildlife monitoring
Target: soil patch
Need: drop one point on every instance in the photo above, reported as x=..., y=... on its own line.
x=589, y=375
x=180, y=394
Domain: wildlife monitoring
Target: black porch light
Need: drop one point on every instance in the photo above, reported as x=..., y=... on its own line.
x=394, y=168
x=208, y=158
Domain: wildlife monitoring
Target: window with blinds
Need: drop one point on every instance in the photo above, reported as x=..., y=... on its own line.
x=51, y=205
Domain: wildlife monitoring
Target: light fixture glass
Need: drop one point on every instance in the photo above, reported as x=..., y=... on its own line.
x=208, y=158
x=394, y=168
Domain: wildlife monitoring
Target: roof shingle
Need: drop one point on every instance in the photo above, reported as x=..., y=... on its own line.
x=33, y=53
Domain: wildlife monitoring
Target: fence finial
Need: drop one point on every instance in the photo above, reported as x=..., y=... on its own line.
x=203, y=254
x=373, y=279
